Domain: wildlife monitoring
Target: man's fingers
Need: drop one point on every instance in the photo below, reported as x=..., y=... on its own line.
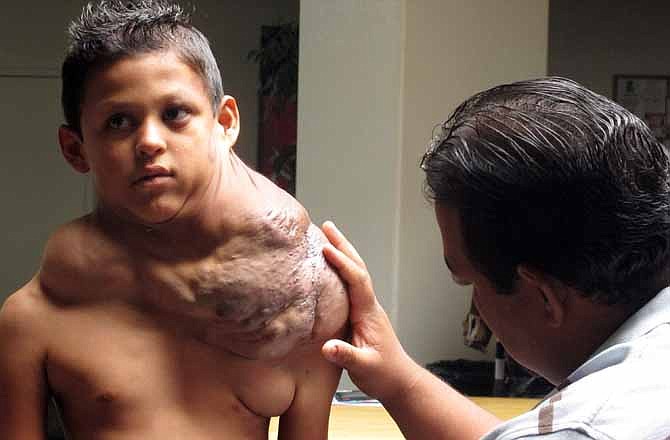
x=343, y=354
x=361, y=293
x=340, y=242
x=344, y=265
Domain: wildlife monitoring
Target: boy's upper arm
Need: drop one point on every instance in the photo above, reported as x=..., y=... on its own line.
x=23, y=385
x=316, y=382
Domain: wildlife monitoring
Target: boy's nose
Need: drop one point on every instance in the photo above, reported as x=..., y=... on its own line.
x=150, y=141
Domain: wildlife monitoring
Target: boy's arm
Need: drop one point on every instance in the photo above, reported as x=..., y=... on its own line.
x=316, y=382
x=23, y=385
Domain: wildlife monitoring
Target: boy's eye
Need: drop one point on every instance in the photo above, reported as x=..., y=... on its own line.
x=175, y=114
x=118, y=122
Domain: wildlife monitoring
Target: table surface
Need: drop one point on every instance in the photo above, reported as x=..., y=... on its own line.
x=373, y=422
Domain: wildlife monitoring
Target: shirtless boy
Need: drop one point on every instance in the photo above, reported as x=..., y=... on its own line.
x=193, y=301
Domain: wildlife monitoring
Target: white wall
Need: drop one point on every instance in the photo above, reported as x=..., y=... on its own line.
x=349, y=124
x=590, y=41
x=375, y=77
x=38, y=190
x=453, y=49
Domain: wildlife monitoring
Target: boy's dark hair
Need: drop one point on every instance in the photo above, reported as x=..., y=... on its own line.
x=551, y=175
x=111, y=29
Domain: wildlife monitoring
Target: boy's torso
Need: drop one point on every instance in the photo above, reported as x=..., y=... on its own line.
x=122, y=367
x=115, y=371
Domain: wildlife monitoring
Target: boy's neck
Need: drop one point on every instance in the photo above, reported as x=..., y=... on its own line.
x=219, y=214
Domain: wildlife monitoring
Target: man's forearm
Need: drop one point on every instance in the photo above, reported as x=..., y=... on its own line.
x=429, y=408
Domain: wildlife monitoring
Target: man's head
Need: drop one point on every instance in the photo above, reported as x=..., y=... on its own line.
x=112, y=29
x=545, y=174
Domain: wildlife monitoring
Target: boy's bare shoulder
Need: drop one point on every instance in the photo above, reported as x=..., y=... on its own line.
x=26, y=310
x=80, y=260
x=22, y=317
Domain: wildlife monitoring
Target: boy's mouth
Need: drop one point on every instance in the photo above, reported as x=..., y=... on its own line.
x=152, y=173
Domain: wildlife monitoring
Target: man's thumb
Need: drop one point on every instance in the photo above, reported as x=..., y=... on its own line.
x=341, y=353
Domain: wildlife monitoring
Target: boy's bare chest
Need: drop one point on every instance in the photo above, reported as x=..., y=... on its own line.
x=113, y=365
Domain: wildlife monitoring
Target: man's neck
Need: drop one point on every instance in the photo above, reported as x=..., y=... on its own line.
x=589, y=326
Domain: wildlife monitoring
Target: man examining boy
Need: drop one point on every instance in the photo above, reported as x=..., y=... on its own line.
x=554, y=204
x=193, y=302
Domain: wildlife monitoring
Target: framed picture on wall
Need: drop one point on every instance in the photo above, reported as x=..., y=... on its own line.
x=648, y=97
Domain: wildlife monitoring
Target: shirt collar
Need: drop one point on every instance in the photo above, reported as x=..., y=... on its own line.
x=616, y=348
x=650, y=316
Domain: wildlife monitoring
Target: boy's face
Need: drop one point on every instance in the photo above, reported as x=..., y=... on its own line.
x=150, y=137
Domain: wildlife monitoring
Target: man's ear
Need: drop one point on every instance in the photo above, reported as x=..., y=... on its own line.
x=229, y=120
x=71, y=147
x=552, y=292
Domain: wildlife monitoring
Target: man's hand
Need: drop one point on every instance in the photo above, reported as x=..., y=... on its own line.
x=375, y=360
x=421, y=404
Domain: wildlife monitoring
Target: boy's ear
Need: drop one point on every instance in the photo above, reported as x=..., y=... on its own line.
x=552, y=292
x=71, y=147
x=229, y=120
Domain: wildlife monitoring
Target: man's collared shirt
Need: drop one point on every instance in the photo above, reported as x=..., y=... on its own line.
x=620, y=393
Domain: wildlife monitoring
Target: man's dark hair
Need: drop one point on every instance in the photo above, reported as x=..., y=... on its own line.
x=551, y=175
x=112, y=29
